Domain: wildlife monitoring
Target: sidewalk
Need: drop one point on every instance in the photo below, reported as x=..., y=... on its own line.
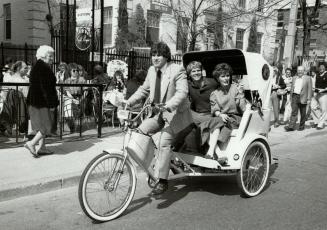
x=22, y=175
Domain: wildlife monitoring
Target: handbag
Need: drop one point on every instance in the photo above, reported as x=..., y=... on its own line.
x=141, y=148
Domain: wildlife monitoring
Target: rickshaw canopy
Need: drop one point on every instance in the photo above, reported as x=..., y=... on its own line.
x=256, y=71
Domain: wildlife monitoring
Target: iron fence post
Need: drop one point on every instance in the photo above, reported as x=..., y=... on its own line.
x=17, y=113
x=2, y=54
x=100, y=110
x=81, y=109
x=61, y=111
x=25, y=52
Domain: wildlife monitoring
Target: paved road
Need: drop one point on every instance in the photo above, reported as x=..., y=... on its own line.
x=296, y=198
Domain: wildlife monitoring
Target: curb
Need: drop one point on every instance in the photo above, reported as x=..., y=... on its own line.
x=14, y=191
x=45, y=185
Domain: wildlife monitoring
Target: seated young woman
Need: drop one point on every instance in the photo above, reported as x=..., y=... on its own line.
x=227, y=106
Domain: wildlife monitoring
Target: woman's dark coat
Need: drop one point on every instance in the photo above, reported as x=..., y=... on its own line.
x=42, y=92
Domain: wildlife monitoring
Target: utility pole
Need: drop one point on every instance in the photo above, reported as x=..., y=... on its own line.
x=290, y=37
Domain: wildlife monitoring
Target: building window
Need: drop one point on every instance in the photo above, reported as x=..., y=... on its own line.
x=7, y=20
x=107, y=25
x=239, y=38
x=259, y=38
x=241, y=3
x=152, y=28
x=313, y=43
x=315, y=20
x=280, y=19
x=299, y=18
x=97, y=4
x=260, y=5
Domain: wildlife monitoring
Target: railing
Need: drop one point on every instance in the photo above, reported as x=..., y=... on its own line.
x=61, y=88
x=134, y=59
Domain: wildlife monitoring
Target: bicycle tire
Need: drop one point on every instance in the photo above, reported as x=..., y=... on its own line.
x=99, y=207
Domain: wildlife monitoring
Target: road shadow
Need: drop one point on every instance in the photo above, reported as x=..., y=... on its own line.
x=178, y=189
x=221, y=186
x=318, y=133
x=6, y=143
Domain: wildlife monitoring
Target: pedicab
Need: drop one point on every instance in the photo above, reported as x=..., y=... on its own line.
x=108, y=183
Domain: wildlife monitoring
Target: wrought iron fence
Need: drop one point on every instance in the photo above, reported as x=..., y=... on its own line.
x=134, y=59
x=96, y=112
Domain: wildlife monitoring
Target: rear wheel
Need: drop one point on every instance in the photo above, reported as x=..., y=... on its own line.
x=104, y=190
x=254, y=172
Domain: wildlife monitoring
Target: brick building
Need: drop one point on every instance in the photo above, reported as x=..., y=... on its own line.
x=318, y=41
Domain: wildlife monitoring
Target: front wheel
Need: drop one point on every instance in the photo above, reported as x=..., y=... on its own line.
x=254, y=172
x=106, y=187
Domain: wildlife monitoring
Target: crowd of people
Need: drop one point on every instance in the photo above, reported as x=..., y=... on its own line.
x=303, y=92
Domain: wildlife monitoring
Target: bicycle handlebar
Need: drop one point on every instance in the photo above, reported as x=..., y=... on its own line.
x=159, y=106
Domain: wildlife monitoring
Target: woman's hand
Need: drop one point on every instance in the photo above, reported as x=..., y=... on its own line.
x=240, y=88
x=224, y=117
x=69, y=95
x=275, y=86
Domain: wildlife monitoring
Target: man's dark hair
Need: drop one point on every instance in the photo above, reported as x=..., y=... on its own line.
x=161, y=49
x=288, y=69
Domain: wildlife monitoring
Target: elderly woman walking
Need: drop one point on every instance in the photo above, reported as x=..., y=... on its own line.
x=42, y=99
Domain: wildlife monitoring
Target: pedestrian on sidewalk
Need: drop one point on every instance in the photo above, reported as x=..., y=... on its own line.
x=286, y=102
x=42, y=99
x=278, y=86
x=301, y=93
x=321, y=97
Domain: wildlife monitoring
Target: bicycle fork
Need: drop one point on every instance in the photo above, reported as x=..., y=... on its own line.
x=115, y=176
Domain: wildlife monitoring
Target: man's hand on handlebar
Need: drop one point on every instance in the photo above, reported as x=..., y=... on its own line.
x=159, y=108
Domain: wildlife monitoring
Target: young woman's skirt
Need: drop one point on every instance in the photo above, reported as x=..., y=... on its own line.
x=214, y=123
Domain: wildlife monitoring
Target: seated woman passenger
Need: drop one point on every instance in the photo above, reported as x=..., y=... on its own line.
x=227, y=104
x=200, y=89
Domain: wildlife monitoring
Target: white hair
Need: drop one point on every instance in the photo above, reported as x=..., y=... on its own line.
x=43, y=50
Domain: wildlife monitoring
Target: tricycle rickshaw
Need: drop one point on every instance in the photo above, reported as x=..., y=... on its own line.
x=108, y=183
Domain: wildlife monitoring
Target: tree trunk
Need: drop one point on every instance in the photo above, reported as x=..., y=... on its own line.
x=306, y=42
x=306, y=29
x=192, y=43
x=193, y=31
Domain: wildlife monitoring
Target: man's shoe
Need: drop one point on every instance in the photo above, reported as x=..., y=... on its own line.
x=288, y=129
x=301, y=128
x=314, y=125
x=160, y=187
x=319, y=128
